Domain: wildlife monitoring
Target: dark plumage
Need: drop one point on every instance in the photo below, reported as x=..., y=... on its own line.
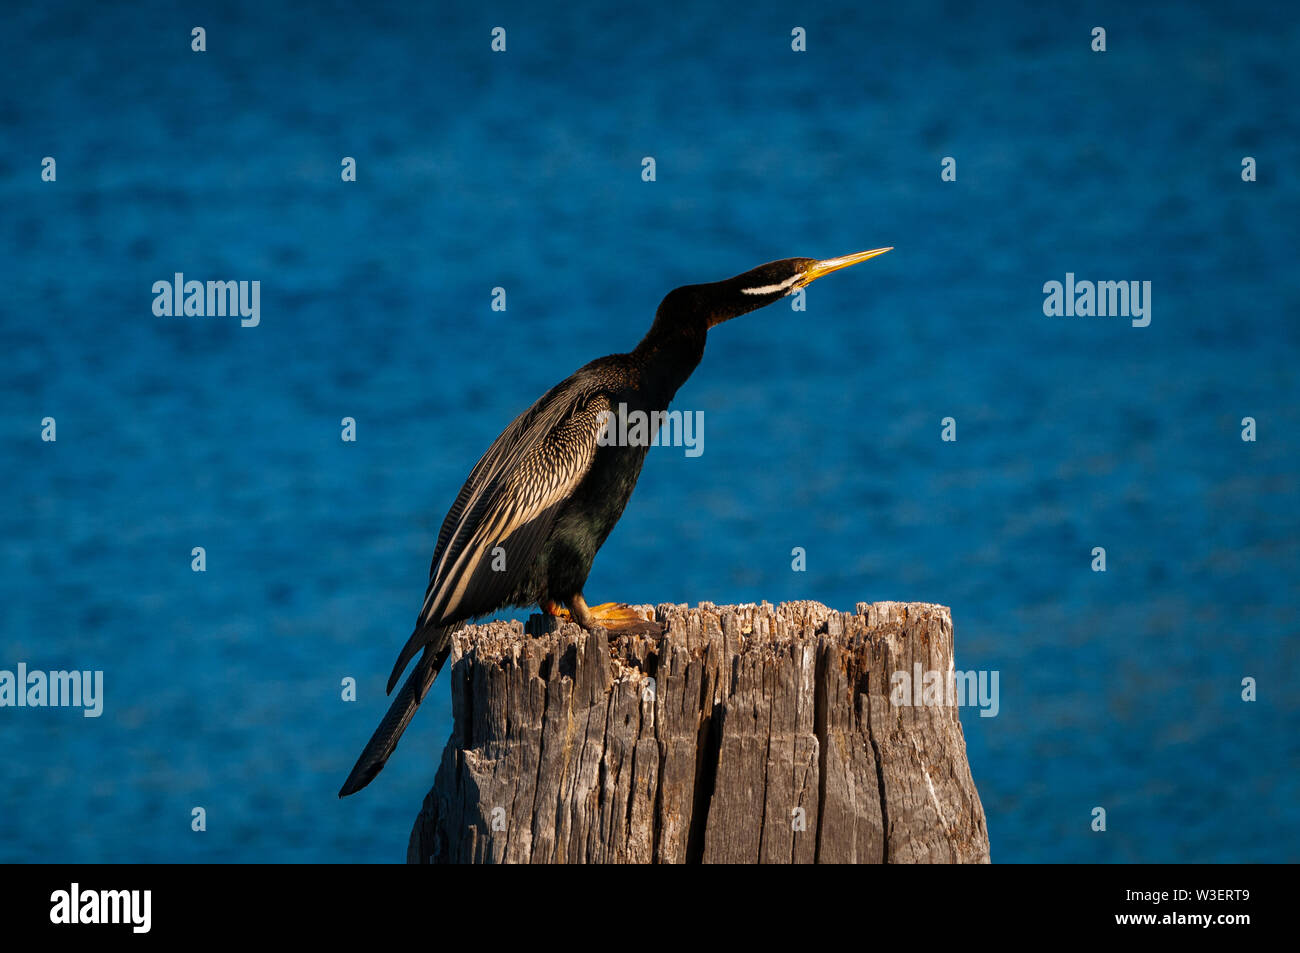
x=548, y=494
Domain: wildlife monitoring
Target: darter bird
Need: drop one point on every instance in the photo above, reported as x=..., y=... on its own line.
x=549, y=489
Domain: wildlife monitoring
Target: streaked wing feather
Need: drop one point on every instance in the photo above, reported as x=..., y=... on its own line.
x=515, y=512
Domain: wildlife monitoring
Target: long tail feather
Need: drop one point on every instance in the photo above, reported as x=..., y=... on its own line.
x=419, y=639
x=400, y=712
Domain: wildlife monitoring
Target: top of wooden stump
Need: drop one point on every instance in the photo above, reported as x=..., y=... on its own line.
x=737, y=628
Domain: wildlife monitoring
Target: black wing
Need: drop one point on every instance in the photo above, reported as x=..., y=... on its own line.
x=509, y=501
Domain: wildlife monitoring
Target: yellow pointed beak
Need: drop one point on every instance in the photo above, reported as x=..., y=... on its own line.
x=817, y=269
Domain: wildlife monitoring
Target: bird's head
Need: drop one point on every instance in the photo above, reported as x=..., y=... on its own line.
x=686, y=313
x=767, y=283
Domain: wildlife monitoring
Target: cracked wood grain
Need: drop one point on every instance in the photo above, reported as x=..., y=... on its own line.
x=740, y=734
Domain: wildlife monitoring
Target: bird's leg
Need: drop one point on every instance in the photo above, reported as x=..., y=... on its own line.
x=552, y=608
x=611, y=616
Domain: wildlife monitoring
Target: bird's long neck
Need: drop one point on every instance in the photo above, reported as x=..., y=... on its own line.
x=668, y=355
x=674, y=345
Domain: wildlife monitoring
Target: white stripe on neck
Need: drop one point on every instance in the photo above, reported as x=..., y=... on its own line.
x=771, y=289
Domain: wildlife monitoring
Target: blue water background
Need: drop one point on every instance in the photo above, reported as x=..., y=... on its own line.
x=822, y=430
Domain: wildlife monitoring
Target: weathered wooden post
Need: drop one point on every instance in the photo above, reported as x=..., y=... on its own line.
x=722, y=734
